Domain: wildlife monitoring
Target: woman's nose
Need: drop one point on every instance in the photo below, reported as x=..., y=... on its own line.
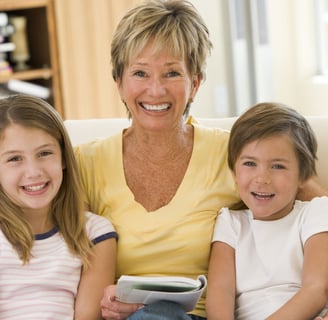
x=156, y=87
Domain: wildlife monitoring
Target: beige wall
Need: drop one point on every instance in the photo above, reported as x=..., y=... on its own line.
x=85, y=29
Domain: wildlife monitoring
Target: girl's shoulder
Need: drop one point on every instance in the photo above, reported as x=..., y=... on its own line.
x=98, y=226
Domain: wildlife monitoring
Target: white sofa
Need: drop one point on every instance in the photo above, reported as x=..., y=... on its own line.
x=85, y=130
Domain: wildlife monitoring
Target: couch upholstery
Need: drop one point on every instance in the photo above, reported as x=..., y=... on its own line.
x=85, y=130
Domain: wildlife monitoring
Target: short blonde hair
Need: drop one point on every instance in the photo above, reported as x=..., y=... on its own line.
x=173, y=25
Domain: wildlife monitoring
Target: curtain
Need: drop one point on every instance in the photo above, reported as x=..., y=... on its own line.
x=84, y=30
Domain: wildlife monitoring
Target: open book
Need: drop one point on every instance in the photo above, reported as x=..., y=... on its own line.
x=182, y=290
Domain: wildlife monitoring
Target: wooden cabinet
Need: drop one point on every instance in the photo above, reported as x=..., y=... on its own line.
x=43, y=63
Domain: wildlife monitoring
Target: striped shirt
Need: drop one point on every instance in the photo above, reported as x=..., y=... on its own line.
x=46, y=287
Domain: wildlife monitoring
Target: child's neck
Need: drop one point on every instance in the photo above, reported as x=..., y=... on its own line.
x=40, y=222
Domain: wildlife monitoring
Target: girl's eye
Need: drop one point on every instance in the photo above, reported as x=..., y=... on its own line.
x=45, y=153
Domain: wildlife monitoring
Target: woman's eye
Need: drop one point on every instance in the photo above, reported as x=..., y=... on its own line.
x=172, y=74
x=249, y=164
x=14, y=159
x=139, y=74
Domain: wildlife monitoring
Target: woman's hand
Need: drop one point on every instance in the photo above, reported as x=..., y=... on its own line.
x=111, y=309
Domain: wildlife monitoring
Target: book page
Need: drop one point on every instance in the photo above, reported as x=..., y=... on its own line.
x=132, y=289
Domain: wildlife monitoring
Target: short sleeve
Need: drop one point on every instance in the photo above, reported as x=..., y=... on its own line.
x=315, y=218
x=99, y=228
x=226, y=230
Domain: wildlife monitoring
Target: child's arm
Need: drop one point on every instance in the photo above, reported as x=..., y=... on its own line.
x=313, y=295
x=220, y=296
x=93, y=281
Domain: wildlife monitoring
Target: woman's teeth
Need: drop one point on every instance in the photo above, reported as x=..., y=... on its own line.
x=159, y=107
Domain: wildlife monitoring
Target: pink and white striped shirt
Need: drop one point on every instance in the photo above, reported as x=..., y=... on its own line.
x=46, y=287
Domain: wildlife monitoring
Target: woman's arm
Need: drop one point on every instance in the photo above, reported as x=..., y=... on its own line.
x=94, y=280
x=313, y=295
x=310, y=189
x=112, y=309
x=220, y=296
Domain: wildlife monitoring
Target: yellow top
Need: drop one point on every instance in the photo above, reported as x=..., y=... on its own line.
x=174, y=240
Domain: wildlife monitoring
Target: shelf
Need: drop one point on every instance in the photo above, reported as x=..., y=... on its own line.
x=9, y=5
x=43, y=48
x=45, y=73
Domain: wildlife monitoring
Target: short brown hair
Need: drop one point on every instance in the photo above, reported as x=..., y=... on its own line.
x=269, y=119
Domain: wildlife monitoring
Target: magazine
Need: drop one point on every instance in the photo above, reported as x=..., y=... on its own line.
x=146, y=290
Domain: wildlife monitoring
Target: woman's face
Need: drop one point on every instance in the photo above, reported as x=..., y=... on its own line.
x=156, y=88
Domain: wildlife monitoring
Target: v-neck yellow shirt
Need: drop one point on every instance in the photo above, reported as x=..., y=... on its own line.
x=174, y=240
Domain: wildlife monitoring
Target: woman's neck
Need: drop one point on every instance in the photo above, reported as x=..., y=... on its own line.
x=158, y=146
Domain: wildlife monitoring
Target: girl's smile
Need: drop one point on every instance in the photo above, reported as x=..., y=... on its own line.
x=31, y=168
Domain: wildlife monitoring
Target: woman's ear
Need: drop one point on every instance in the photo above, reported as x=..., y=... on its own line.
x=196, y=81
x=119, y=87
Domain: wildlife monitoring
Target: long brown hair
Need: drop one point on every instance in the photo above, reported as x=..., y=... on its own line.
x=67, y=209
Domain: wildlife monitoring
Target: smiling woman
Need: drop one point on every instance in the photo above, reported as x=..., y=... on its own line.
x=151, y=188
x=157, y=82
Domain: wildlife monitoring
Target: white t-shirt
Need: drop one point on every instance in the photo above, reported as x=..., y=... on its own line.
x=269, y=254
x=46, y=287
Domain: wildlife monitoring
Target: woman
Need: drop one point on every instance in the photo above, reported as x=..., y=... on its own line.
x=162, y=180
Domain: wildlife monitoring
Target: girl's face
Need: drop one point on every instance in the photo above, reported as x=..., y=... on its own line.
x=156, y=88
x=267, y=176
x=31, y=170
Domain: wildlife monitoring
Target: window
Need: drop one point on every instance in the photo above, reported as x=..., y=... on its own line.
x=251, y=53
x=321, y=9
